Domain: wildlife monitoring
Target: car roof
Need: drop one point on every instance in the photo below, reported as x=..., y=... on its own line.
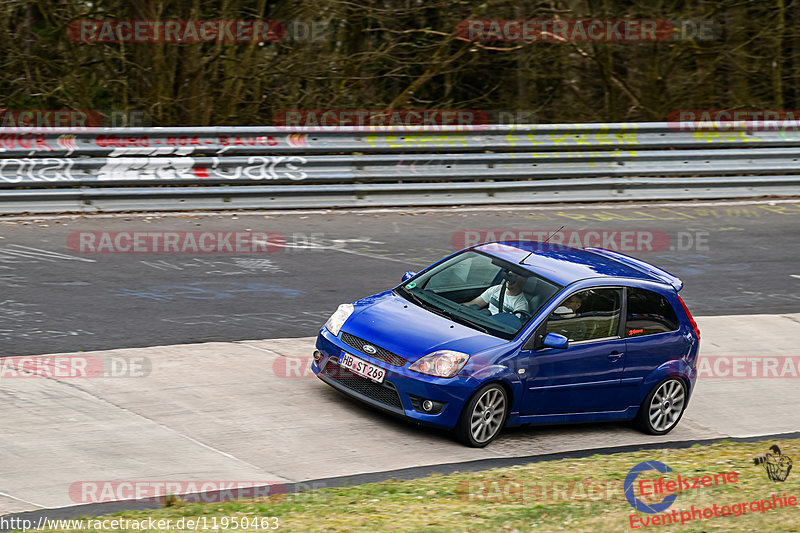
x=565, y=265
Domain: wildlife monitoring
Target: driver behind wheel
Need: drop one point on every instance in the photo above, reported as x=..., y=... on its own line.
x=509, y=291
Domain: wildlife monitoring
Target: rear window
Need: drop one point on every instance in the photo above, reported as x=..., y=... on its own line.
x=648, y=313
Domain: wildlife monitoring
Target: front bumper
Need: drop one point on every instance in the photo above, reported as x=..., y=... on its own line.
x=402, y=392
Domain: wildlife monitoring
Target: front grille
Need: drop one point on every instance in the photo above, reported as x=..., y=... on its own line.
x=384, y=355
x=384, y=393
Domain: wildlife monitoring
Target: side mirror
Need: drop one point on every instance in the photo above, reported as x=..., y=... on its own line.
x=408, y=275
x=555, y=340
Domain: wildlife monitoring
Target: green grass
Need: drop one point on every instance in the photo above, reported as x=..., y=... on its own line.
x=476, y=502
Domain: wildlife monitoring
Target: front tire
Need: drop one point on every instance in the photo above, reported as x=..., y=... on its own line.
x=663, y=408
x=483, y=417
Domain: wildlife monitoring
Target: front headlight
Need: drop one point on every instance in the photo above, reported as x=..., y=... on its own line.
x=443, y=363
x=337, y=319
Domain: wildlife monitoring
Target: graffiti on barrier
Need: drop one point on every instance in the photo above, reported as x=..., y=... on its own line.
x=257, y=168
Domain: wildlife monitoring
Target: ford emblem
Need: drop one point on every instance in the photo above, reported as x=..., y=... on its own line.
x=370, y=349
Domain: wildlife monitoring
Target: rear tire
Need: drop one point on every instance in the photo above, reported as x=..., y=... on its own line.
x=483, y=416
x=663, y=408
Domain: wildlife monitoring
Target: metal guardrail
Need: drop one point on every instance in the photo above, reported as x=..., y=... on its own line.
x=248, y=167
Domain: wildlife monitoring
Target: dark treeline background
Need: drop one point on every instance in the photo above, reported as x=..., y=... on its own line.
x=400, y=54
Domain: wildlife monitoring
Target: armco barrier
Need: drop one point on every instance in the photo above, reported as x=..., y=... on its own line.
x=246, y=167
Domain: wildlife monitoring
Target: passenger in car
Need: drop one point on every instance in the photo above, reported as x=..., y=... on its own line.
x=569, y=307
x=565, y=320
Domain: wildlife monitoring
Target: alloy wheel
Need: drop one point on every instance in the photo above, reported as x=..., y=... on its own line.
x=488, y=415
x=666, y=405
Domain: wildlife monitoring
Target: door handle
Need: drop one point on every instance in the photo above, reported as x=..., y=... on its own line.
x=614, y=356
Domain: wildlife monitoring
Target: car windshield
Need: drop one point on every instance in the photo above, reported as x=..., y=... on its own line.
x=482, y=292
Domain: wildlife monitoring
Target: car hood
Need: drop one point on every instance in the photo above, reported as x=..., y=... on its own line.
x=402, y=327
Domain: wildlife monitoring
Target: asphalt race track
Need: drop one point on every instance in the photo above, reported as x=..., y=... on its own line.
x=735, y=258
x=221, y=340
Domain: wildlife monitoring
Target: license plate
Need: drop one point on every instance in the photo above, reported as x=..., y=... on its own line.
x=362, y=368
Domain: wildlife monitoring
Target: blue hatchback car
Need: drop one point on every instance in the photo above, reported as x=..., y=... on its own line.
x=503, y=334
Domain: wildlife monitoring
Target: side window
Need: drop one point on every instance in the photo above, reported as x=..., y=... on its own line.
x=648, y=313
x=587, y=315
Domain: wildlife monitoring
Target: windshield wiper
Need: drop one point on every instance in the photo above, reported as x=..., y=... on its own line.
x=469, y=323
x=422, y=303
x=464, y=321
